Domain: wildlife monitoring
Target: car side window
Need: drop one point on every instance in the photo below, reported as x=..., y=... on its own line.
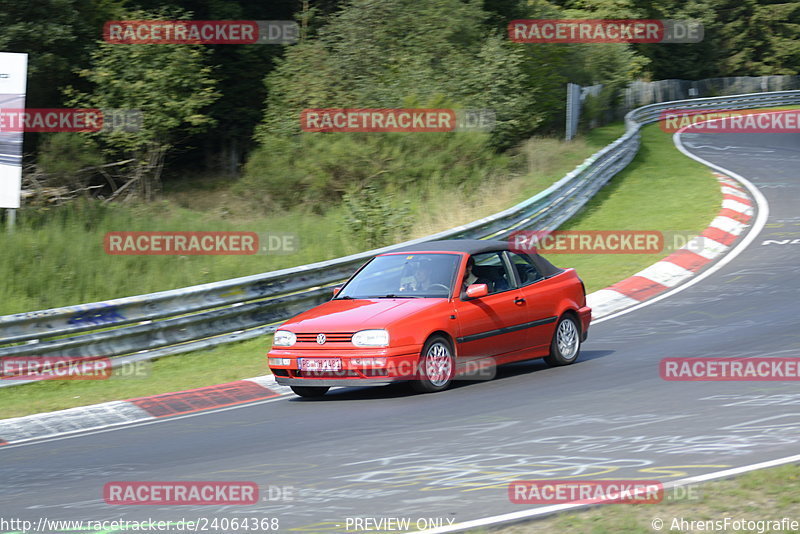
x=490, y=269
x=526, y=271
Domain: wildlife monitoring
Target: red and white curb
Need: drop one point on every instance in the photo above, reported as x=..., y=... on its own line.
x=732, y=220
x=715, y=241
x=118, y=413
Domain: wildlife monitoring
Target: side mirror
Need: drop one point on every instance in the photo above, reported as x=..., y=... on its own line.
x=336, y=290
x=477, y=290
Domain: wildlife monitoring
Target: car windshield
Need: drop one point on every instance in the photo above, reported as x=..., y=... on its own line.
x=425, y=275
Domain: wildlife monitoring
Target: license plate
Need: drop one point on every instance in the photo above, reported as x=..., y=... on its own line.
x=320, y=364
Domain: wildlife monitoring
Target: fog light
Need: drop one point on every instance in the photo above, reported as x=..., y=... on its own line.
x=280, y=361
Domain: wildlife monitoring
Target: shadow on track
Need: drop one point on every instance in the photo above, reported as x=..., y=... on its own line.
x=402, y=389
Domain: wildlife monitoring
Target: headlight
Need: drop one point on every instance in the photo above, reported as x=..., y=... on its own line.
x=284, y=338
x=371, y=338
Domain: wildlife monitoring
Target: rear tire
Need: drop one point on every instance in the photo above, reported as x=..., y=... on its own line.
x=566, y=345
x=436, y=366
x=310, y=392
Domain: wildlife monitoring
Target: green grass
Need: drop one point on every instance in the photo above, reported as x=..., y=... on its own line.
x=769, y=494
x=60, y=260
x=688, y=197
x=660, y=190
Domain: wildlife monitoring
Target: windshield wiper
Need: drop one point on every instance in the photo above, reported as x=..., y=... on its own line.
x=393, y=296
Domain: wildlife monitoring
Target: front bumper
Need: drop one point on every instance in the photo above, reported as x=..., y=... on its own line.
x=324, y=382
x=401, y=364
x=585, y=316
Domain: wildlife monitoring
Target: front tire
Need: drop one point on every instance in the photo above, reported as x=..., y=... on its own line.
x=310, y=392
x=436, y=366
x=566, y=345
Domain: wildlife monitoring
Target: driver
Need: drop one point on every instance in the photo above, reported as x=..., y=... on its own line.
x=419, y=275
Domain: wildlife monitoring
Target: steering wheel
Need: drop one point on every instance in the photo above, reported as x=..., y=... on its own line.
x=442, y=286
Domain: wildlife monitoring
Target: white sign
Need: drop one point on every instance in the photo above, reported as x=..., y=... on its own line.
x=13, y=78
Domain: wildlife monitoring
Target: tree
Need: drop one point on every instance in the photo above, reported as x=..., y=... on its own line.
x=57, y=35
x=741, y=38
x=168, y=84
x=551, y=66
x=762, y=38
x=380, y=54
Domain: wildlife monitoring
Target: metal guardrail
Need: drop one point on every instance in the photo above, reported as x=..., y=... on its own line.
x=181, y=320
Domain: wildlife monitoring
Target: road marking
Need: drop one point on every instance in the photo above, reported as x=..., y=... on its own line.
x=523, y=515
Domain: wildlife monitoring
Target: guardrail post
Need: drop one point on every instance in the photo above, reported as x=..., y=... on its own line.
x=11, y=219
x=573, y=109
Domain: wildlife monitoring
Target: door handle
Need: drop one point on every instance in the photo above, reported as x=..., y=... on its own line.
x=519, y=300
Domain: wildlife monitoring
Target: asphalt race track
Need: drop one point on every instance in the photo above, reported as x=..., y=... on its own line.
x=383, y=452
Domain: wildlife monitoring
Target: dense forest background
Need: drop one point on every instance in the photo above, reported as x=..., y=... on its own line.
x=232, y=110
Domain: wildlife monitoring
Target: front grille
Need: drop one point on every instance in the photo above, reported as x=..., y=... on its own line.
x=330, y=337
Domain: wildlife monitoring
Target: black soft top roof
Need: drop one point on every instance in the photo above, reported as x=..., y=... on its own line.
x=478, y=246
x=470, y=246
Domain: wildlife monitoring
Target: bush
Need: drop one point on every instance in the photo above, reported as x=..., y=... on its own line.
x=317, y=169
x=63, y=155
x=372, y=219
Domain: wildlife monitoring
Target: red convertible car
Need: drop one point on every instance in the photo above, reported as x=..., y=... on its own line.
x=430, y=313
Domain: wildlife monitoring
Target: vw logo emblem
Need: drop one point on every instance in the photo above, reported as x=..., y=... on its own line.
x=321, y=339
